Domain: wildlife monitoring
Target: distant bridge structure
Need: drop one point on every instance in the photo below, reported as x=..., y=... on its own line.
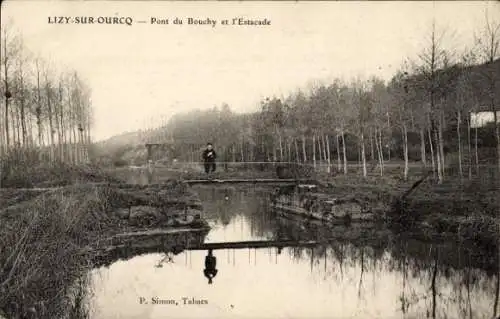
x=164, y=147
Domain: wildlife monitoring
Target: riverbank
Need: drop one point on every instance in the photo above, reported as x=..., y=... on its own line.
x=49, y=236
x=462, y=210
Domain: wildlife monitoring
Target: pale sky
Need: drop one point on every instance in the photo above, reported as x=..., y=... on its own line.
x=142, y=73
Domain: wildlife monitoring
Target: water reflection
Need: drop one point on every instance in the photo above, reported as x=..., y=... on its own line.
x=210, y=270
x=366, y=273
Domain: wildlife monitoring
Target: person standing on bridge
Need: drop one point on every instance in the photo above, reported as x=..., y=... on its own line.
x=209, y=157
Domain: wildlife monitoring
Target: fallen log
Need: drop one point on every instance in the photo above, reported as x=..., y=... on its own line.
x=415, y=185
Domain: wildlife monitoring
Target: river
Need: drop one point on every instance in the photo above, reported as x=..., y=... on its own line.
x=382, y=277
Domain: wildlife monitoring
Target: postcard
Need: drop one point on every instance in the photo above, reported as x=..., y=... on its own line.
x=249, y=159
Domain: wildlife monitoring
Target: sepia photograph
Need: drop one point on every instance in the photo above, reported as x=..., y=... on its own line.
x=249, y=159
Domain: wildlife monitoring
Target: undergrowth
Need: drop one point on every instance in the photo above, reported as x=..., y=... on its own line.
x=41, y=256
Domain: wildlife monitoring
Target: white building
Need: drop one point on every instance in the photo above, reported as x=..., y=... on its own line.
x=480, y=119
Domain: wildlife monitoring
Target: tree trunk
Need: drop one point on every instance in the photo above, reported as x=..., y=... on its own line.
x=314, y=151
x=363, y=155
x=328, y=154
x=390, y=137
x=16, y=127
x=405, y=148
x=242, y=154
x=2, y=134
x=89, y=140
x=378, y=143
x=82, y=148
x=322, y=146
x=39, y=108
x=263, y=148
x=497, y=135
x=438, y=158
x=320, y=149
x=432, y=152
x=19, y=127
x=21, y=97
x=76, y=159
x=344, y=152
x=434, y=287
x=29, y=124
x=360, y=158
x=51, y=126
x=251, y=149
x=279, y=144
x=49, y=146
x=57, y=128
x=289, y=148
x=281, y=147
x=297, y=155
x=64, y=141
x=441, y=147
x=304, y=148
x=6, y=85
x=459, y=119
x=372, y=150
x=275, y=154
x=339, y=162
x=59, y=135
x=422, y=148
x=70, y=123
x=469, y=151
x=325, y=148
x=476, y=152
x=60, y=123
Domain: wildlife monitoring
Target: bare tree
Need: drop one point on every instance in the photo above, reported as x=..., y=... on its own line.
x=488, y=48
x=35, y=97
x=433, y=58
x=8, y=52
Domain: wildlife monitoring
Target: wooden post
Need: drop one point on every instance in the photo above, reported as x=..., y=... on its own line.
x=148, y=146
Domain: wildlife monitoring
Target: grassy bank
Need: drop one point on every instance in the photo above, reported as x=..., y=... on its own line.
x=45, y=235
x=468, y=210
x=41, y=252
x=51, y=175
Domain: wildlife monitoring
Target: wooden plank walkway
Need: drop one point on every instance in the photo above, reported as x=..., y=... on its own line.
x=193, y=246
x=249, y=181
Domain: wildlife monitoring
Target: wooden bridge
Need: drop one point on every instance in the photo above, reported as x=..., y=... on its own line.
x=136, y=236
x=107, y=255
x=250, y=181
x=255, y=244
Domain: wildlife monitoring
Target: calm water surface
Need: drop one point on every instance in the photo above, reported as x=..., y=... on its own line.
x=341, y=280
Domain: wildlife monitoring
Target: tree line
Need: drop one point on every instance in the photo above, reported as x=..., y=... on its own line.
x=44, y=112
x=424, y=113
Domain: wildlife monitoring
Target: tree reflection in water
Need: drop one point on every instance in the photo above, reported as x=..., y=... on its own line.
x=434, y=279
x=447, y=270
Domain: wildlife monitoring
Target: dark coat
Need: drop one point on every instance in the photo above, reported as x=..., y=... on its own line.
x=209, y=156
x=210, y=262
